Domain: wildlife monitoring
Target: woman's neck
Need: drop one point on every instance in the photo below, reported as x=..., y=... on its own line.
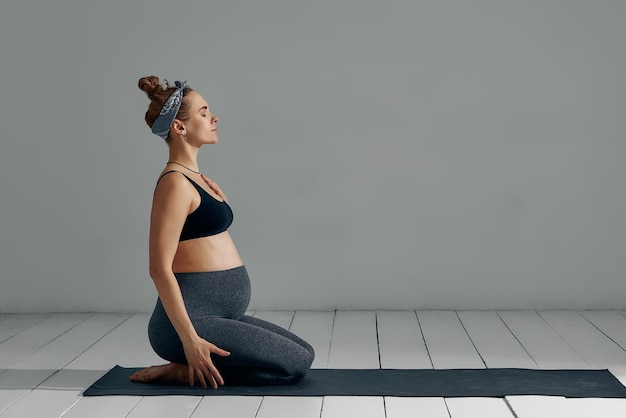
x=187, y=159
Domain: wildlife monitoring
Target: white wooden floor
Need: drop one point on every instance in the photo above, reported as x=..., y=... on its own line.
x=46, y=360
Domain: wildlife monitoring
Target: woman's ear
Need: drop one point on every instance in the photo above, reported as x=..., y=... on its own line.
x=178, y=127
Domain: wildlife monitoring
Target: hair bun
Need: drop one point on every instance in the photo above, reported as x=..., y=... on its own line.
x=151, y=85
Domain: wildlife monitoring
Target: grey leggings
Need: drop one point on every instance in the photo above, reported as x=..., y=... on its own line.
x=261, y=353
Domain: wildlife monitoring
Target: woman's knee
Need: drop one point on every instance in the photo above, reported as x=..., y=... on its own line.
x=300, y=365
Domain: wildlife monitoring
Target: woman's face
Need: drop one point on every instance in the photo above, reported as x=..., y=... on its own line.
x=201, y=126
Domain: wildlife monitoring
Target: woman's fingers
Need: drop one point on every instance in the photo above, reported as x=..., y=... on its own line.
x=201, y=378
x=215, y=375
x=191, y=379
x=214, y=186
x=209, y=183
x=201, y=367
x=204, y=374
x=220, y=352
x=213, y=381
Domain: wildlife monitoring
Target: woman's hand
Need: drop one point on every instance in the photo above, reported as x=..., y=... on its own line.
x=198, y=353
x=213, y=185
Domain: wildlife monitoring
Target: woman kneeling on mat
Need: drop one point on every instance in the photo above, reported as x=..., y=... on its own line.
x=202, y=283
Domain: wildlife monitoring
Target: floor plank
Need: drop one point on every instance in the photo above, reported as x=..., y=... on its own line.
x=447, y=341
x=24, y=344
x=15, y=384
x=597, y=408
x=316, y=328
x=62, y=350
x=546, y=347
x=611, y=323
x=103, y=407
x=165, y=407
x=13, y=324
x=127, y=345
x=494, y=341
x=53, y=397
x=415, y=407
x=353, y=406
x=290, y=407
x=354, y=343
x=401, y=342
x=228, y=406
x=540, y=407
x=594, y=346
x=42, y=404
x=478, y=408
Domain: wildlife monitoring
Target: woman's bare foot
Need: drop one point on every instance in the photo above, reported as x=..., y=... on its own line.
x=172, y=373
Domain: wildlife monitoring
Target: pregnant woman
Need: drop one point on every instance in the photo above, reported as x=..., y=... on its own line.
x=198, y=323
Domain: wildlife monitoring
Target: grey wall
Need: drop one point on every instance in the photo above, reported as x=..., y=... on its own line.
x=378, y=154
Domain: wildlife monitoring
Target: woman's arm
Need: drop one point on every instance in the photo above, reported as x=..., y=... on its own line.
x=172, y=203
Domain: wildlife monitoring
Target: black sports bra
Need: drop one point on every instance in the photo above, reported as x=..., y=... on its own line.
x=210, y=218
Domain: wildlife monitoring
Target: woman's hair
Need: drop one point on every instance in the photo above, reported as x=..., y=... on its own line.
x=158, y=94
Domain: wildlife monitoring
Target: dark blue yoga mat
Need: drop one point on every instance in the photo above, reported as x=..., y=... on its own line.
x=394, y=382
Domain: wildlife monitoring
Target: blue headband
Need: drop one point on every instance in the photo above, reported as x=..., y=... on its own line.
x=162, y=123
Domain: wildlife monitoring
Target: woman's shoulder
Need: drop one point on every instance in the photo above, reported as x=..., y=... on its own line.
x=170, y=176
x=173, y=183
